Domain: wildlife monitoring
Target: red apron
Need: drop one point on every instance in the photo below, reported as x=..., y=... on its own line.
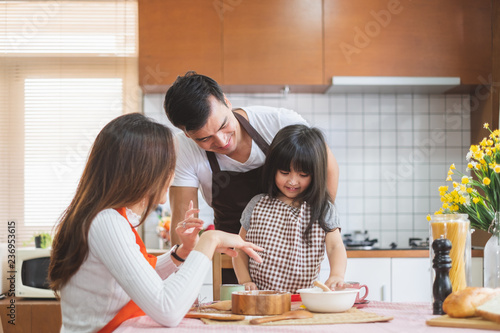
x=130, y=310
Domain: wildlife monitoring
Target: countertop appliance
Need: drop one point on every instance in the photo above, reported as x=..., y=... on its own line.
x=359, y=240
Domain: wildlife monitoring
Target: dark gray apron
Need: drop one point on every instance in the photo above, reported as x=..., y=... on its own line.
x=231, y=190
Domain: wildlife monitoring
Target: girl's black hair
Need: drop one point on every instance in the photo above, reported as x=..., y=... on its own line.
x=304, y=149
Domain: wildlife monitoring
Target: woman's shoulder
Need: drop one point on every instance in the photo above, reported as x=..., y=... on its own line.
x=108, y=219
x=111, y=228
x=107, y=214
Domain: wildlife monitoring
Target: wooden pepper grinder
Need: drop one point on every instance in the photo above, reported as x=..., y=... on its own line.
x=441, y=264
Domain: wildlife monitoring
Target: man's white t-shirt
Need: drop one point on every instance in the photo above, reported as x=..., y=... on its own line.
x=193, y=169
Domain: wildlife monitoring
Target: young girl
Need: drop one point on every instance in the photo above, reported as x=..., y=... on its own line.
x=99, y=264
x=295, y=218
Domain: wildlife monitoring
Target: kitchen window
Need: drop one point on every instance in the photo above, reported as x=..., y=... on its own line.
x=67, y=68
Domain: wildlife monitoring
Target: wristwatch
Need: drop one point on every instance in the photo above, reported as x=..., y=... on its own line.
x=174, y=254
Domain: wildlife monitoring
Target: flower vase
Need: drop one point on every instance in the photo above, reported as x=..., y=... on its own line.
x=492, y=255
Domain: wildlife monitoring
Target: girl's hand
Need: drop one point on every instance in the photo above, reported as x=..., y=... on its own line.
x=334, y=282
x=188, y=229
x=250, y=286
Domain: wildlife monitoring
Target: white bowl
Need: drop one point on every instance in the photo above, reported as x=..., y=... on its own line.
x=317, y=300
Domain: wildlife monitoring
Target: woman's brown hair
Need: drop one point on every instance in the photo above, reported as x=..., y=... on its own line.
x=131, y=159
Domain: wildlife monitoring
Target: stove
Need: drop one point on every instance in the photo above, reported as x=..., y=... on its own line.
x=359, y=241
x=413, y=244
x=418, y=243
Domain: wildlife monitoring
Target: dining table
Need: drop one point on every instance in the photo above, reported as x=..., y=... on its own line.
x=409, y=317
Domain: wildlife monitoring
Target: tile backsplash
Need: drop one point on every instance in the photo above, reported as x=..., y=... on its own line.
x=393, y=152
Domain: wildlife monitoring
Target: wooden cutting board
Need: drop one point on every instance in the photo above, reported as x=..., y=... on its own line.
x=473, y=322
x=351, y=316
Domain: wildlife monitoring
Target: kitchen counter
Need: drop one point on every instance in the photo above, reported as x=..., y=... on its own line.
x=407, y=317
x=397, y=253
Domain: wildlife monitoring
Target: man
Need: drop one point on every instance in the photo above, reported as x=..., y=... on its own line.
x=222, y=151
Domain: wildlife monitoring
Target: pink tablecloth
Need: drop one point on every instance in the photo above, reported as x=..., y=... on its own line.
x=408, y=318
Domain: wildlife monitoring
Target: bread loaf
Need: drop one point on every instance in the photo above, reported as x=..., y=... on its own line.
x=490, y=310
x=463, y=303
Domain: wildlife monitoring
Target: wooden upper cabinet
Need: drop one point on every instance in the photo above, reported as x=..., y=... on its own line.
x=175, y=37
x=277, y=42
x=408, y=38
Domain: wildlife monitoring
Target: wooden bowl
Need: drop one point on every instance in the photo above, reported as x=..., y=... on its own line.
x=260, y=302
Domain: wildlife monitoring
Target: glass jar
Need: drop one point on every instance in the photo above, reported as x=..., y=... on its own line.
x=456, y=228
x=492, y=255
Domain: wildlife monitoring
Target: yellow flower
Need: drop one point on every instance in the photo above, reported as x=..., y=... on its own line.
x=445, y=205
x=450, y=172
x=449, y=179
x=475, y=200
x=452, y=167
x=497, y=168
x=486, y=125
x=483, y=142
x=455, y=184
x=465, y=180
x=469, y=190
x=428, y=217
x=470, y=166
x=462, y=188
x=490, y=142
x=462, y=200
x=486, y=181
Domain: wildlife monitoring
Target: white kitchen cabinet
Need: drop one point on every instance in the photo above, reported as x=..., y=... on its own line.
x=411, y=280
x=397, y=279
x=375, y=273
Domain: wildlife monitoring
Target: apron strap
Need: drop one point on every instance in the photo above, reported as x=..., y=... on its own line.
x=259, y=140
x=212, y=159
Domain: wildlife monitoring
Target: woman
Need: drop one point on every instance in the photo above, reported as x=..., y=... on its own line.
x=99, y=263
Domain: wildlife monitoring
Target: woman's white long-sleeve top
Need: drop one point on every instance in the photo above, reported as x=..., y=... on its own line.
x=115, y=271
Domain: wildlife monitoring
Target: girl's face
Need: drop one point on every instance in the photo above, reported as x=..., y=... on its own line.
x=292, y=183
